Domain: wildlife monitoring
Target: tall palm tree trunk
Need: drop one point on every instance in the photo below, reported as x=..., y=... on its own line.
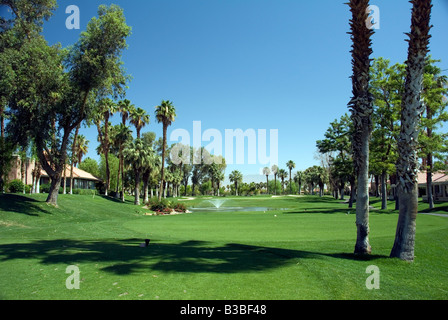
x=361, y=108
x=137, y=187
x=429, y=162
x=73, y=158
x=163, y=162
x=412, y=109
x=267, y=184
x=122, y=177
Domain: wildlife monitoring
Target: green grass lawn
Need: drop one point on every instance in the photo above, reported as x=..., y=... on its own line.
x=303, y=251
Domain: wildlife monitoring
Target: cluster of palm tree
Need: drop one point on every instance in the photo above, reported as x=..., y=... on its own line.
x=308, y=179
x=136, y=155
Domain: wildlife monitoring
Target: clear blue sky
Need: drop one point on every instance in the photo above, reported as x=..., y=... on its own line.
x=249, y=64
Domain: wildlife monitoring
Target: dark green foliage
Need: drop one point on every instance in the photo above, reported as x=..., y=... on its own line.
x=16, y=186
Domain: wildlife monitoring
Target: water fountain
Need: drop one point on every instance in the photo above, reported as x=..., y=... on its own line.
x=217, y=202
x=217, y=206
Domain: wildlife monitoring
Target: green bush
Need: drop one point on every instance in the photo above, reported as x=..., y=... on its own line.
x=16, y=186
x=45, y=188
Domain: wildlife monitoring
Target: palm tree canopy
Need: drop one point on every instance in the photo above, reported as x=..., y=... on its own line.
x=236, y=176
x=106, y=108
x=122, y=133
x=298, y=177
x=165, y=112
x=282, y=174
x=139, y=118
x=266, y=171
x=125, y=108
x=82, y=147
x=136, y=154
x=290, y=164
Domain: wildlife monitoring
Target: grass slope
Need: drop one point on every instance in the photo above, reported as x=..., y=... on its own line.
x=301, y=252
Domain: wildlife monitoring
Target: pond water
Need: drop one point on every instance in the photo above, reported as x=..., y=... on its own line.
x=228, y=209
x=217, y=205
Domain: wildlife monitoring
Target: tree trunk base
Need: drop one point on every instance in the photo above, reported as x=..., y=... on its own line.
x=362, y=246
x=53, y=194
x=406, y=227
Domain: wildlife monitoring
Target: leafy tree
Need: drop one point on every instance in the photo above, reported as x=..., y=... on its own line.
x=338, y=145
x=434, y=115
x=91, y=166
x=54, y=86
x=386, y=86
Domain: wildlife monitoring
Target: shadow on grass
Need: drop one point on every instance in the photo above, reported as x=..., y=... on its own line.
x=116, y=200
x=21, y=204
x=320, y=210
x=125, y=257
x=437, y=209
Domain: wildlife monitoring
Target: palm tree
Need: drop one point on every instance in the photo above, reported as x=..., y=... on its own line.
x=125, y=108
x=282, y=174
x=361, y=107
x=79, y=149
x=165, y=114
x=267, y=172
x=139, y=118
x=291, y=165
x=274, y=169
x=137, y=156
x=236, y=177
x=412, y=108
x=298, y=178
x=82, y=147
x=122, y=134
x=106, y=108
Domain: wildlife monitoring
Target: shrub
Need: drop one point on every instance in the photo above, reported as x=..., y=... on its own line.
x=16, y=186
x=165, y=206
x=180, y=207
x=155, y=205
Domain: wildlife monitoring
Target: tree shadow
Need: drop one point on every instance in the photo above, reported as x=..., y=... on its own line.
x=325, y=210
x=21, y=204
x=317, y=199
x=116, y=200
x=124, y=257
